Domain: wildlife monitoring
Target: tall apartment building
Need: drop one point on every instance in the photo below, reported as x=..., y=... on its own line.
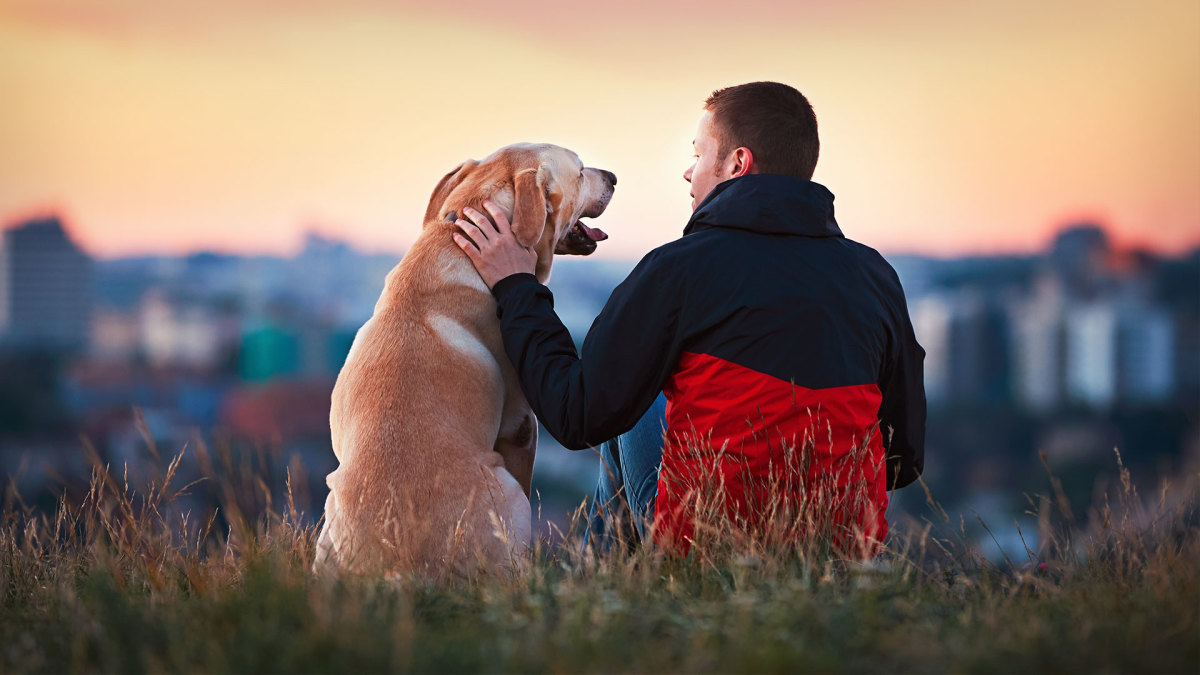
x=1146, y=354
x=1040, y=348
x=45, y=287
x=1092, y=356
x=966, y=341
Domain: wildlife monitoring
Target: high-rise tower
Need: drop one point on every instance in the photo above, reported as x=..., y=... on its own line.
x=45, y=287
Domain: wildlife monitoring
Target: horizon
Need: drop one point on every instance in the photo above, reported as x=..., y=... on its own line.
x=946, y=129
x=303, y=235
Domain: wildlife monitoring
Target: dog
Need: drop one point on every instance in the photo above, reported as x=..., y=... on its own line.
x=434, y=438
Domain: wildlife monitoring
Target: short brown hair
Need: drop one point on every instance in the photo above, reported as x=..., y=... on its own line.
x=773, y=120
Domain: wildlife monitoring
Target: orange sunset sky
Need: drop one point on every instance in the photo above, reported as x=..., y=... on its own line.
x=948, y=127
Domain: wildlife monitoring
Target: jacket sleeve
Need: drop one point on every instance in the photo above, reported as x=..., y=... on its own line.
x=628, y=354
x=902, y=412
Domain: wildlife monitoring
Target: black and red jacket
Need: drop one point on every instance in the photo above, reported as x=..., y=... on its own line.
x=766, y=329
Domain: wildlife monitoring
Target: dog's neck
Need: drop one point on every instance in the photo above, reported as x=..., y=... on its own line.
x=544, y=247
x=457, y=269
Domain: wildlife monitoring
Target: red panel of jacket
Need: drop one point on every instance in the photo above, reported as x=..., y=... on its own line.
x=773, y=459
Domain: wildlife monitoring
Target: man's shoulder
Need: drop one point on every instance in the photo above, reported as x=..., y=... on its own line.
x=870, y=257
x=715, y=244
x=866, y=252
x=685, y=248
x=875, y=267
x=690, y=242
x=708, y=241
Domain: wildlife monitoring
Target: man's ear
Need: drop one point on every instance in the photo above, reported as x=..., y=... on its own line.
x=741, y=162
x=444, y=187
x=529, y=205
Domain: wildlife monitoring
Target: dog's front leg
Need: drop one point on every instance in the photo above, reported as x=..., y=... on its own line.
x=517, y=445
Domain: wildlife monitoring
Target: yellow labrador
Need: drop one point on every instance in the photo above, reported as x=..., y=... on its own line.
x=434, y=439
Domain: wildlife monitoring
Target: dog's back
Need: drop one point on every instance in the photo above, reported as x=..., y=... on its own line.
x=415, y=414
x=434, y=438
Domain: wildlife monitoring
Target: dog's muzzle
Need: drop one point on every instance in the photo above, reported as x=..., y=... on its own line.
x=580, y=240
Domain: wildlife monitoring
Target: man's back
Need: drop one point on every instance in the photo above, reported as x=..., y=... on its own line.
x=787, y=338
x=814, y=310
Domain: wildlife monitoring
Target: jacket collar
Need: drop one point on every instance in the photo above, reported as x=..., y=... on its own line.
x=768, y=204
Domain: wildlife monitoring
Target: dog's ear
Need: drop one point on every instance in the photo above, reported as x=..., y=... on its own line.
x=529, y=205
x=445, y=187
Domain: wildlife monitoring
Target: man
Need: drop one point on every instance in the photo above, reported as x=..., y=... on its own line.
x=789, y=372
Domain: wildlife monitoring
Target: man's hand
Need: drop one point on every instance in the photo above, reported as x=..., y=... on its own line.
x=493, y=248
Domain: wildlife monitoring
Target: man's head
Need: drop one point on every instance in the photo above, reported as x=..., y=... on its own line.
x=760, y=127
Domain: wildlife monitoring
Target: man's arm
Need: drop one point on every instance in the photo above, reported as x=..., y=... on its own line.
x=628, y=354
x=902, y=412
x=629, y=350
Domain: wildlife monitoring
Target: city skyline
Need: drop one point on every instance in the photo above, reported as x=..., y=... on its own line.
x=947, y=130
x=304, y=235
x=1078, y=322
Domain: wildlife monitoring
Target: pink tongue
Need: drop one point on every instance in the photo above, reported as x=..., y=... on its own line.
x=593, y=233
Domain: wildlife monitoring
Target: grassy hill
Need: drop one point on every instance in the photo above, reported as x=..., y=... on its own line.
x=119, y=579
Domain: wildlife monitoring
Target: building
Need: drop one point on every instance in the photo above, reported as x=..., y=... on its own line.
x=45, y=287
x=1039, y=348
x=1081, y=259
x=187, y=332
x=1145, y=354
x=1092, y=358
x=931, y=317
x=966, y=339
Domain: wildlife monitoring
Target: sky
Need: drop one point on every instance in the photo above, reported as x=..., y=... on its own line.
x=948, y=127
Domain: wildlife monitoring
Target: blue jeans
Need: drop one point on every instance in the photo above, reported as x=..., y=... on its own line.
x=623, y=504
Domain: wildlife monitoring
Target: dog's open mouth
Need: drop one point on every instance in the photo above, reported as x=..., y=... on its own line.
x=580, y=240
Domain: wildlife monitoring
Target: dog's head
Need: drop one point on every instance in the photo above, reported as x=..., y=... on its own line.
x=544, y=188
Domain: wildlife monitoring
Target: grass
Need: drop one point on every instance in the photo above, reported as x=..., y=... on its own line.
x=118, y=579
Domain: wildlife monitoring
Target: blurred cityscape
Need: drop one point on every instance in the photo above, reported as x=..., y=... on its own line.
x=1069, y=353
